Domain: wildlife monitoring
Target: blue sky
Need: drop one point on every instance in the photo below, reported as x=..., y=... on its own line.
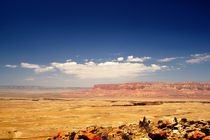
x=78, y=43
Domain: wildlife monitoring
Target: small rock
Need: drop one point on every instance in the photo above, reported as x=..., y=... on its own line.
x=196, y=135
x=206, y=138
x=184, y=120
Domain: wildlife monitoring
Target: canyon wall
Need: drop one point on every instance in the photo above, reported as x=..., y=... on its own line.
x=155, y=85
x=192, y=90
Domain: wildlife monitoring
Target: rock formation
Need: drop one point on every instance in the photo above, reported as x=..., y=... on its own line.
x=154, y=90
x=173, y=129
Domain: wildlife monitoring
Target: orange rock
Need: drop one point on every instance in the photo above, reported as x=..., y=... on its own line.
x=93, y=136
x=196, y=135
x=162, y=133
x=90, y=135
x=206, y=138
x=167, y=122
x=97, y=138
x=59, y=133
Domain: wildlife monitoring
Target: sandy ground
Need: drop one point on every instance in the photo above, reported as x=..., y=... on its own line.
x=39, y=119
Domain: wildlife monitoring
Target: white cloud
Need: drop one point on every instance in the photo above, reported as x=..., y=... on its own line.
x=99, y=70
x=29, y=66
x=120, y=59
x=44, y=69
x=91, y=70
x=11, y=66
x=69, y=60
x=198, y=58
x=168, y=59
x=37, y=68
x=137, y=59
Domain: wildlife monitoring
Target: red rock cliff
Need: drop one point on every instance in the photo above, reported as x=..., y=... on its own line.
x=155, y=85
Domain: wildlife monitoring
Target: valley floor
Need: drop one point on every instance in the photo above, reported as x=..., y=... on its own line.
x=38, y=118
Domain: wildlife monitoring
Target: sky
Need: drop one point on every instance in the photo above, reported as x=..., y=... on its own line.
x=80, y=43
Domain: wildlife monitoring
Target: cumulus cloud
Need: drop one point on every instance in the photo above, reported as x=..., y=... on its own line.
x=120, y=59
x=167, y=59
x=10, y=66
x=37, y=68
x=92, y=70
x=137, y=59
x=29, y=66
x=198, y=58
x=89, y=69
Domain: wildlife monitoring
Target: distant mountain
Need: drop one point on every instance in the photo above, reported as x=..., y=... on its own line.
x=14, y=87
x=153, y=90
x=195, y=90
x=156, y=86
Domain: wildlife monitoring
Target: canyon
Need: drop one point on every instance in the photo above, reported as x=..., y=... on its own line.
x=192, y=90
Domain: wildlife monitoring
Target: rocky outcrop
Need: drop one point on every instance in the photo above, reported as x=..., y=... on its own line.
x=172, y=129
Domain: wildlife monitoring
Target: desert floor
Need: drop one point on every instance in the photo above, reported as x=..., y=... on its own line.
x=39, y=119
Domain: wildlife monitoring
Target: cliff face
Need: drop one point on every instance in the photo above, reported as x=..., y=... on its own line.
x=154, y=86
x=154, y=90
